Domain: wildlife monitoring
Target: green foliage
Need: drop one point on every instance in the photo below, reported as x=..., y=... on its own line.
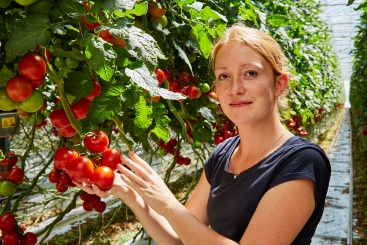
x=358, y=83
x=124, y=62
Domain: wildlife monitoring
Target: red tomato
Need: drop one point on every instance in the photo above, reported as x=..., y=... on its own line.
x=37, y=83
x=213, y=95
x=110, y=158
x=16, y=175
x=90, y=26
x=32, y=66
x=218, y=139
x=96, y=90
x=96, y=142
x=10, y=160
x=29, y=238
x=155, y=11
x=160, y=75
x=118, y=42
x=67, y=132
x=7, y=222
x=105, y=35
x=63, y=157
x=59, y=118
x=10, y=238
x=80, y=108
x=86, y=206
x=80, y=169
x=65, y=180
x=103, y=177
x=94, y=201
x=54, y=176
x=61, y=188
x=173, y=86
x=193, y=91
x=85, y=196
x=101, y=208
x=18, y=88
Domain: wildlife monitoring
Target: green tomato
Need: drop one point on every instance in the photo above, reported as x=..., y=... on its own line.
x=205, y=87
x=71, y=62
x=7, y=104
x=33, y=103
x=59, y=62
x=25, y=2
x=161, y=20
x=7, y=188
x=191, y=57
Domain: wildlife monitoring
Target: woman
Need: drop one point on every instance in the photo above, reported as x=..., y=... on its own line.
x=264, y=186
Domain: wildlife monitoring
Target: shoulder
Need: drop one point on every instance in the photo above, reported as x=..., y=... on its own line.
x=220, y=156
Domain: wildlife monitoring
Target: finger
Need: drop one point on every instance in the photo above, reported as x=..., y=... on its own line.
x=99, y=192
x=136, y=167
x=84, y=187
x=129, y=177
x=136, y=158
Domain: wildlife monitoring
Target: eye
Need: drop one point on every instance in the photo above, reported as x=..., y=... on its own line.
x=251, y=73
x=221, y=77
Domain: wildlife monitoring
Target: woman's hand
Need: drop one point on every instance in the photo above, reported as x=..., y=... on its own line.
x=146, y=182
x=119, y=188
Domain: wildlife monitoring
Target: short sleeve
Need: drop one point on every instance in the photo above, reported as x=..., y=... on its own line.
x=307, y=163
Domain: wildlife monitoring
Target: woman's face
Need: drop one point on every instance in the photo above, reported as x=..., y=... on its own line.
x=245, y=84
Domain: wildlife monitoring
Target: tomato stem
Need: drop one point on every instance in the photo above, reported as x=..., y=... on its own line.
x=119, y=125
x=59, y=83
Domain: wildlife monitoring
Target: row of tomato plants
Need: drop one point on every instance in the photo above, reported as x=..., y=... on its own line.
x=140, y=69
x=358, y=81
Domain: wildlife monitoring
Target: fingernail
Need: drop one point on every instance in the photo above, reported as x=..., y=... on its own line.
x=120, y=166
x=131, y=153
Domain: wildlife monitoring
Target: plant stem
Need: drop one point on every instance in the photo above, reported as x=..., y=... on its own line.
x=119, y=124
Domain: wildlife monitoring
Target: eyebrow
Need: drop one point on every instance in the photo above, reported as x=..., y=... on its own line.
x=251, y=64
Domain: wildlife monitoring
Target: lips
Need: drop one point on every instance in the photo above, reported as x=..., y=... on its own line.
x=240, y=103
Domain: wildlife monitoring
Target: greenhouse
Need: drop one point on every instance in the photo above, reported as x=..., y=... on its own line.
x=183, y=122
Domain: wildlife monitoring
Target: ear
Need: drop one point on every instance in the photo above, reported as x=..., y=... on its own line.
x=281, y=84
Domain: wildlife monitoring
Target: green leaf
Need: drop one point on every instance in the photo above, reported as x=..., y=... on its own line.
x=129, y=98
x=103, y=107
x=72, y=8
x=33, y=29
x=5, y=75
x=139, y=10
x=140, y=45
x=143, y=115
x=101, y=55
x=4, y=3
x=184, y=2
x=161, y=121
x=142, y=77
x=350, y=2
x=204, y=42
x=207, y=114
x=118, y=4
x=209, y=14
x=182, y=54
x=2, y=157
x=78, y=84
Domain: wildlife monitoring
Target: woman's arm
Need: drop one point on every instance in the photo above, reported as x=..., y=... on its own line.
x=155, y=225
x=279, y=217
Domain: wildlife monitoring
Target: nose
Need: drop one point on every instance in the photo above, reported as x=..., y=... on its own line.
x=237, y=86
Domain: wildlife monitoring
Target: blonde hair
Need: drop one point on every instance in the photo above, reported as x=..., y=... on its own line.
x=262, y=43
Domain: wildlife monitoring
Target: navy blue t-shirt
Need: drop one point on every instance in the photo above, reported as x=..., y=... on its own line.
x=232, y=202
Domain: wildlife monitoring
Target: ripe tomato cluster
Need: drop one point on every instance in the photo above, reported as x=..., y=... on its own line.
x=224, y=130
x=13, y=234
x=92, y=202
x=158, y=16
x=60, y=120
x=170, y=147
x=21, y=90
x=295, y=124
x=11, y=175
x=96, y=166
